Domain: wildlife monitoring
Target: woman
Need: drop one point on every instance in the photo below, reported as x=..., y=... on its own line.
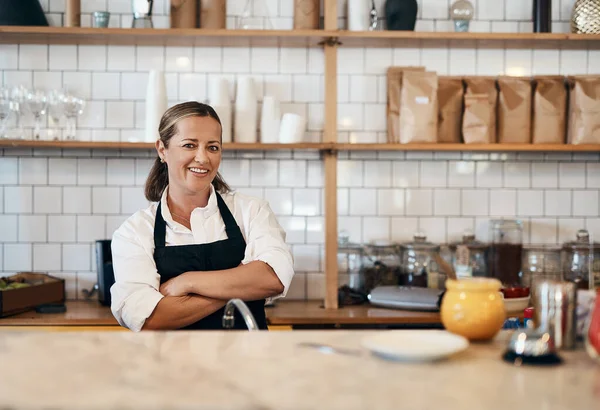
x=178, y=262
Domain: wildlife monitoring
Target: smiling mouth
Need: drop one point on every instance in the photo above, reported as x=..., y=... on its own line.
x=199, y=171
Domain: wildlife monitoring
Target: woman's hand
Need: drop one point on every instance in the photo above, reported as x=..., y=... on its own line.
x=177, y=286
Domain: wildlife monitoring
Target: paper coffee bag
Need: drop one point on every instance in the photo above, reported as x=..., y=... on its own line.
x=514, y=110
x=584, y=109
x=487, y=86
x=549, y=110
x=450, y=107
x=418, y=107
x=477, y=119
x=394, y=85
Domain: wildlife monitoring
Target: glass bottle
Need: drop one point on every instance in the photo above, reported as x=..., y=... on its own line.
x=461, y=12
x=506, y=250
x=142, y=13
x=255, y=16
x=542, y=16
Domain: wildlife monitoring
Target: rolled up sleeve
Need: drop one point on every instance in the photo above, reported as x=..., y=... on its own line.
x=266, y=243
x=135, y=293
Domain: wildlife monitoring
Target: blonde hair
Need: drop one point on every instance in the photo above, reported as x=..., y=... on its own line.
x=158, y=178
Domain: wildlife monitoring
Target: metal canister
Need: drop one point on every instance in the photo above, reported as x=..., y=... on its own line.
x=555, y=305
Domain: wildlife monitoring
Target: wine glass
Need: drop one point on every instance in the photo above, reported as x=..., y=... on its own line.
x=5, y=109
x=73, y=106
x=37, y=103
x=56, y=110
x=17, y=100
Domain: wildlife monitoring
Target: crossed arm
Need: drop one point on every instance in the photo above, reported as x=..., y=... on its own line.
x=194, y=295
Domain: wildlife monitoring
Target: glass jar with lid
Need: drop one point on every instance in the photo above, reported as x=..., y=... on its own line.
x=381, y=265
x=469, y=256
x=541, y=262
x=419, y=266
x=350, y=262
x=506, y=251
x=581, y=261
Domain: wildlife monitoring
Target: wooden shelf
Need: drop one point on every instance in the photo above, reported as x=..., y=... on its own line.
x=408, y=38
x=160, y=37
x=284, y=313
x=269, y=38
x=149, y=146
x=316, y=146
x=470, y=147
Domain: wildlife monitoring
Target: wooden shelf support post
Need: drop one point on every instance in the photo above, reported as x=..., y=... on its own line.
x=330, y=160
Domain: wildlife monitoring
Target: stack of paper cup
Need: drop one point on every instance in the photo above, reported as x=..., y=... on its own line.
x=359, y=15
x=219, y=100
x=270, y=120
x=246, y=113
x=292, y=128
x=156, y=104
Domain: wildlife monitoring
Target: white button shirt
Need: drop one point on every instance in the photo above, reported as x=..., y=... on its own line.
x=135, y=293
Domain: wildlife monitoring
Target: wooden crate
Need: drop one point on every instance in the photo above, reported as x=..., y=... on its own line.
x=44, y=289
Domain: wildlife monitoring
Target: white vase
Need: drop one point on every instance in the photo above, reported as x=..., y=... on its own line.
x=270, y=120
x=359, y=14
x=246, y=113
x=292, y=128
x=219, y=100
x=156, y=104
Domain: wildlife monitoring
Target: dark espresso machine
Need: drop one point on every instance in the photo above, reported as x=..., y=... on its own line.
x=106, y=275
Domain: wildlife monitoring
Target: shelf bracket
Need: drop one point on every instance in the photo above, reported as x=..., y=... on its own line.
x=331, y=42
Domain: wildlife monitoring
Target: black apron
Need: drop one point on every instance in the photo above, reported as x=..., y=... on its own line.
x=172, y=261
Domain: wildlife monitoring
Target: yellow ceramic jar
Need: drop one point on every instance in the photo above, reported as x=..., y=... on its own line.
x=473, y=308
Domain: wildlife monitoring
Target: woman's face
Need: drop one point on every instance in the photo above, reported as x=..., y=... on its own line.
x=194, y=155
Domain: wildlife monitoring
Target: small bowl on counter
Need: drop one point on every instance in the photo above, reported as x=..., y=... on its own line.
x=516, y=306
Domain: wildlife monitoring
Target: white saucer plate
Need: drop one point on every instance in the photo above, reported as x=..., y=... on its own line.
x=415, y=345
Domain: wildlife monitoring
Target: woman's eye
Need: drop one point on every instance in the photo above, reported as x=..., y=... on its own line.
x=188, y=146
x=214, y=148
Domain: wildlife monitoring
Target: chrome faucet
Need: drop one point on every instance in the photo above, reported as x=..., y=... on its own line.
x=229, y=320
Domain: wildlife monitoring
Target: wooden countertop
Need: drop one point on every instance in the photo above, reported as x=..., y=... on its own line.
x=284, y=313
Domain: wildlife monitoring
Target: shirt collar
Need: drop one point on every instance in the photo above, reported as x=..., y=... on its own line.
x=211, y=207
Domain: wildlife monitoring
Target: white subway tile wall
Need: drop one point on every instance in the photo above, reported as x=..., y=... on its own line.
x=55, y=203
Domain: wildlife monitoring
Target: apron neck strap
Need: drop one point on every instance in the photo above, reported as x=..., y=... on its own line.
x=160, y=228
x=231, y=227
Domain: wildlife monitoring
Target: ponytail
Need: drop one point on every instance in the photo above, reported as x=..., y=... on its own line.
x=220, y=184
x=157, y=181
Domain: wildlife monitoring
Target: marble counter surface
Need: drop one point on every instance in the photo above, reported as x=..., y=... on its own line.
x=269, y=370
